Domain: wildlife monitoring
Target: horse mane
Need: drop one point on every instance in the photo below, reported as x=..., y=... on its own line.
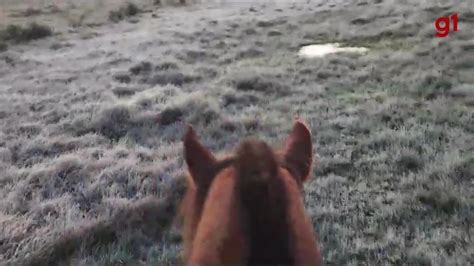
x=247, y=209
x=263, y=203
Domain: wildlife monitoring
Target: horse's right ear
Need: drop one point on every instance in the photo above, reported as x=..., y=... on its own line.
x=199, y=160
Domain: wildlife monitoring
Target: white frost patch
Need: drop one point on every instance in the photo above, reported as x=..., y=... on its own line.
x=320, y=50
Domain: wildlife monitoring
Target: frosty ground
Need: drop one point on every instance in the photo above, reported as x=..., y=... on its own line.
x=91, y=120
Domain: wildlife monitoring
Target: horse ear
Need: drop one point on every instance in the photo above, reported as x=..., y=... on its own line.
x=199, y=159
x=298, y=151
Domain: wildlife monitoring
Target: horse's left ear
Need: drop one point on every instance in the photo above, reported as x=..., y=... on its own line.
x=199, y=159
x=298, y=151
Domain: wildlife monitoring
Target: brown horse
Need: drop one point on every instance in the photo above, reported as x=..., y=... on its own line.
x=247, y=209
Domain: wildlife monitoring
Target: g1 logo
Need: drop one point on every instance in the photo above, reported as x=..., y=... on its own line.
x=442, y=25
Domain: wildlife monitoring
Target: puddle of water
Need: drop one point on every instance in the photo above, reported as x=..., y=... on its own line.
x=320, y=50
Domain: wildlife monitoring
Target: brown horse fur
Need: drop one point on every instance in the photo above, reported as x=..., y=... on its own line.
x=247, y=209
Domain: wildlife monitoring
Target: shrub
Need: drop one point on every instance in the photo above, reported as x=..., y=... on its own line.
x=171, y=77
x=3, y=46
x=20, y=34
x=114, y=122
x=441, y=200
x=247, y=81
x=131, y=9
x=432, y=86
x=409, y=162
x=170, y=116
x=128, y=10
x=31, y=12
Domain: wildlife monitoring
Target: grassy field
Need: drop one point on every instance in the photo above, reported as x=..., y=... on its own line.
x=92, y=114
